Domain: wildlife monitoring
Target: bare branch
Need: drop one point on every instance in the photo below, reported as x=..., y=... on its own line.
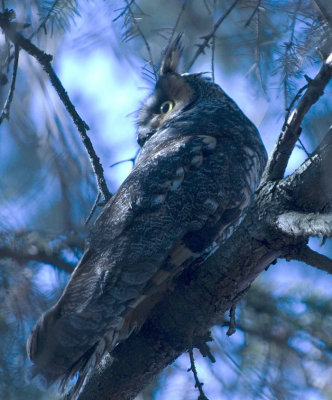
x=277, y=163
x=45, y=61
x=177, y=22
x=310, y=257
x=207, y=38
x=253, y=13
x=198, y=384
x=38, y=255
x=305, y=225
x=139, y=30
x=6, y=108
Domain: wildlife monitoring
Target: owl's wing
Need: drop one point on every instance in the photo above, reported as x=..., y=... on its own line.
x=135, y=246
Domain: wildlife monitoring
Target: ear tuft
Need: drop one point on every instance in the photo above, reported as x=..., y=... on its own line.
x=171, y=57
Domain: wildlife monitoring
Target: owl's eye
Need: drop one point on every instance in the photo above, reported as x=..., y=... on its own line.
x=166, y=106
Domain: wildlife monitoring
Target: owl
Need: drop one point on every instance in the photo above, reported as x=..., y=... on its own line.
x=201, y=160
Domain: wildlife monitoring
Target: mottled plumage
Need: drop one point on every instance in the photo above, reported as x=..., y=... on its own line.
x=200, y=163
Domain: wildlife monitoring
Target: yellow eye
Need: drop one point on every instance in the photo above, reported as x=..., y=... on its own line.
x=166, y=106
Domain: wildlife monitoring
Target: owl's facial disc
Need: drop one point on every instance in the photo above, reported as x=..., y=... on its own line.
x=171, y=95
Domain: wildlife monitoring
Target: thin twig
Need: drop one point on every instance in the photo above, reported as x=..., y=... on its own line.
x=46, y=18
x=93, y=209
x=198, y=384
x=253, y=13
x=310, y=257
x=213, y=46
x=303, y=148
x=6, y=108
x=207, y=38
x=125, y=9
x=45, y=61
x=177, y=23
x=258, y=53
x=290, y=56
x=278, y=161
x=232, y=324
x=132, y=160
x=290, y=107
x=133, y=20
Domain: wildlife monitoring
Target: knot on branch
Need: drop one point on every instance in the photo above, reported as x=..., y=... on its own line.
x=200, y=343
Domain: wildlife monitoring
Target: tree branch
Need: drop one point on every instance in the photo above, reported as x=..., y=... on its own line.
x=38, y=255
x=207, y=38
x=305, y=225
x=310, y=257
x=44, y=60
x=278, y=161
x=198, y=383
x=310, y=186
x=6, y=108
x=139, y=30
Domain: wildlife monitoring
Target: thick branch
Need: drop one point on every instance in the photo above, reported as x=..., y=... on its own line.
x=311, y=257
x=310, y=186
x=44, y=59
x=277, y=163
x=305, y=225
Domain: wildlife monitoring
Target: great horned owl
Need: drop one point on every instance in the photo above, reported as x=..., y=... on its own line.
x=200, y=163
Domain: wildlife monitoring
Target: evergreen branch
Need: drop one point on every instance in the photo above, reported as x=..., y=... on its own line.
x=57, y=11
x=45, y=61
x=140, y=32
x=207, y=38
x=124, y=10
x=307, y=255
x=278, y=161
x=305, y=225
x=177, y=22
x=6, y=108
x=290, y=58
x=257, y=50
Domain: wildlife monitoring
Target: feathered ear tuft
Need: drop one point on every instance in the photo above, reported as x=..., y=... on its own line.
x=171, y=57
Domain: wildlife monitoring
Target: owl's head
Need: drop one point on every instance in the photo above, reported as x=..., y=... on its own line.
x=174, y=94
